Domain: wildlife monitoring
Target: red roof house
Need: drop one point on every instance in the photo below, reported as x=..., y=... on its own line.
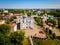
x=2, y=21
x=13, y=27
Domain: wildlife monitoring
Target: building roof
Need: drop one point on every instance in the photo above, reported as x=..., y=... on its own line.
x=49, y=23
x=5, y=16
x=2, y=20
x=16, y=15
x=12, y=24
x=1, y=15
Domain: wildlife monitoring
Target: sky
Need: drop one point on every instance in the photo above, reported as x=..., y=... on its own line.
x=22, y=4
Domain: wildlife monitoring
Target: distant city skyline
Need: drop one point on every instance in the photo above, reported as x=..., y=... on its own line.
x=22, y=4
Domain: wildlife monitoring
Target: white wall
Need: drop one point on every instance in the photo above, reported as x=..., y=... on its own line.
x=15, y=28
x=28, y=22
x=2, y=22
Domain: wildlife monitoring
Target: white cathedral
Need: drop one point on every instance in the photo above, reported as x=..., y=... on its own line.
x=26, y=22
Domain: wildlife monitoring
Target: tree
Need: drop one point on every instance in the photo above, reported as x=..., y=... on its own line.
x=1, y=18
x=58, y=23
x=10, y=20
x=29, y=13
x=4, y=29
x=38, y=21
x=53, y=35
x=50, y=32
x=56, y=13
x=38, y=41
x=52, y=21
x=16, y=11
x=17, y=38
x=46, y=30
x=4, y=40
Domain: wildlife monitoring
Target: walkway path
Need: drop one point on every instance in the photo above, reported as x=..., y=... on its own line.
x=31, y=40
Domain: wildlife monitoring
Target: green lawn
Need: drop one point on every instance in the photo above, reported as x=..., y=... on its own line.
x=45, y=41
x=26, y=41
x=50, y=42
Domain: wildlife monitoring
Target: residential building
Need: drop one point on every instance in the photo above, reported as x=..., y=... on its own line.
x=2, y=21
x=45, y=17
x=13, y=27
x=5, y=11
x=18, y=18
x=50, y=16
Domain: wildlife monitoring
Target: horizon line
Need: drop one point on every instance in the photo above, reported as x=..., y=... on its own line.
x=29, y=8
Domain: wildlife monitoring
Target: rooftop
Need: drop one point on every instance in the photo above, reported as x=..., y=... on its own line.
x=12, y=24
x=2, y=20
